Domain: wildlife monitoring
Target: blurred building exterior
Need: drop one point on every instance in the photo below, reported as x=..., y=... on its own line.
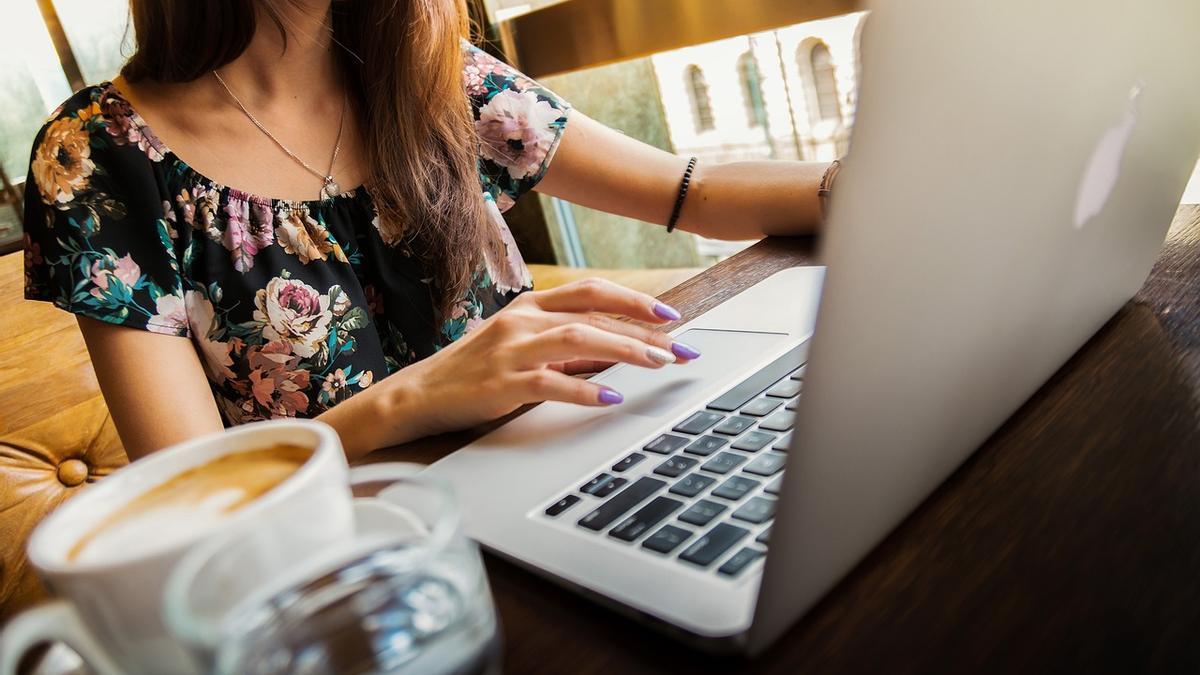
x=783, y=94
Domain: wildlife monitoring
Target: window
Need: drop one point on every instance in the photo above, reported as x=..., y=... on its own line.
x=100, y=33
x=701, y=103
x=824, y=90
x=751, y=78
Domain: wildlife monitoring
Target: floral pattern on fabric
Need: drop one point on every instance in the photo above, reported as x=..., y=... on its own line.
x=292, y=306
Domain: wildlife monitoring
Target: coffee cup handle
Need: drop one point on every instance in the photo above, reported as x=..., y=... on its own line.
x=54, y=620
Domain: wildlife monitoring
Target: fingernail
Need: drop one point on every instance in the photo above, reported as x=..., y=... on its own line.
x=610, y=396
x=685, y=351
x=666, y=312
x=659, y=355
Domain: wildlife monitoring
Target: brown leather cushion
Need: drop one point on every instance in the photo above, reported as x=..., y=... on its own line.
x=55, y=432
x=44, y=464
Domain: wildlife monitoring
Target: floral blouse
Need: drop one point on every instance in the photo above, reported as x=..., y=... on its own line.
x=293, y=306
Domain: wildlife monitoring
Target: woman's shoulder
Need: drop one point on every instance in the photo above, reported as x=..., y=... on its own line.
x=102, y=114
x=95, y=107
x=79, y=102
x=91, y=130
x=485, y=76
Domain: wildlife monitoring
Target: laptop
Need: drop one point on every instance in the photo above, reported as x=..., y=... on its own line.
x=1014, y=168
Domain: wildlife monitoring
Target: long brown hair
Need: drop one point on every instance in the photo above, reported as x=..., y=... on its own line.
x=403, y=61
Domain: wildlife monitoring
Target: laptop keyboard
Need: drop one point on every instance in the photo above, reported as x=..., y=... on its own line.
x=707, y=493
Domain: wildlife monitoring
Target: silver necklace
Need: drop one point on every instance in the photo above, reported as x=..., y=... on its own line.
x=329, y=189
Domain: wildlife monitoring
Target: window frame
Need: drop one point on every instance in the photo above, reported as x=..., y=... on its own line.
x=697, y=88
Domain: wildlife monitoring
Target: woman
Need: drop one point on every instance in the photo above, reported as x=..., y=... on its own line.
x=393, y=310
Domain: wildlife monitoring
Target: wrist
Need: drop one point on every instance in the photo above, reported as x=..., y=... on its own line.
x=398, y=411
x=376, y=418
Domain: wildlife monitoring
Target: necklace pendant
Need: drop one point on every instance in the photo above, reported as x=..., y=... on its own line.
x=330, y=189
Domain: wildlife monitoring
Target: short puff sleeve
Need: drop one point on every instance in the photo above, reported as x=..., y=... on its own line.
x=519, y=123
x=97, y=243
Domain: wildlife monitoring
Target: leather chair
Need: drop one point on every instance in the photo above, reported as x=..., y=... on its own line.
x=56, y=435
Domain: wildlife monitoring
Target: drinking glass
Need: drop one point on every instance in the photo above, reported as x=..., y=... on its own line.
x=407, y=595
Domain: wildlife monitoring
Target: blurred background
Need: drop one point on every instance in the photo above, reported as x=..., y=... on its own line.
x=718, y=79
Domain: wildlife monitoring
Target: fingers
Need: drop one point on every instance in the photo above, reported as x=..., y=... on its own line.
x=577, y=341
x=546, y=320
x=611, y=325
x=550, y=385
x=599, y=295
x=583, y=367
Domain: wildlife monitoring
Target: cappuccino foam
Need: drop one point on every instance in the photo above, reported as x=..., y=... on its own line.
x=193, y=501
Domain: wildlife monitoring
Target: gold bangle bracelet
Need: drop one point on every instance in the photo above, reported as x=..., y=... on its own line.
x=825, y=187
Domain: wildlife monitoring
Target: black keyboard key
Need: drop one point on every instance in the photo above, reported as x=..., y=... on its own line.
x=698, y=423
x=666, y=444
x=609, y=487
x=706, y=445
x=723, y=462
x=780, y=421
x=754, y=385
x=739, y=561
x=734, y=426
x=692, y=485
x=784, y=442
x=735, y=488
x=767, y=464
x=786, y=389
x=753, y=441
x=799, y=374
x=757, y=510
x=629, y=462
x=626, y=499
x=667, y=539
x=562, y=505
x=709, y=547
x=702, y=512
x=773, y=487
x=760, y=407
x=592, y=485
x=645, y=518
x=764, y=537
x=676, y=466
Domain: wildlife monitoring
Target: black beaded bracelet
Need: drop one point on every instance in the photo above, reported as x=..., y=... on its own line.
x=683, y=188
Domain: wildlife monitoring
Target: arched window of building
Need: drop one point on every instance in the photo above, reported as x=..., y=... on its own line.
x=823, y=82
x=752, y=94
x=701, y=103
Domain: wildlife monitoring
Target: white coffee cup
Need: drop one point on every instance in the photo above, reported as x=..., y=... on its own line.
x=109, y=610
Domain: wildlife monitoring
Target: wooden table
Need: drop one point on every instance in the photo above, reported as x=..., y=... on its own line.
x=1069, y=543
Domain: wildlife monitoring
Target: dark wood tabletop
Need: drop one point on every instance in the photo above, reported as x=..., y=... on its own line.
x=1068, y=543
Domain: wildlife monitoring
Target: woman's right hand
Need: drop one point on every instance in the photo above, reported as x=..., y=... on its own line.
x=525, y=353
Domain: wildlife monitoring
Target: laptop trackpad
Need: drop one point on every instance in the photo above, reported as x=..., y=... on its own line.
x=653, y=393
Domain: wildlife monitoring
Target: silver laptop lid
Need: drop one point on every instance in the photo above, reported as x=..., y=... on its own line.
x=1015, y=166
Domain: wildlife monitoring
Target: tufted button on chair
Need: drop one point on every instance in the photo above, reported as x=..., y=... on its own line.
x=56, y=436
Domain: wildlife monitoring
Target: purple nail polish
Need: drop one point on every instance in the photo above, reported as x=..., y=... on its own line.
x=684, y=351
x=610, y=396
x=666, y=312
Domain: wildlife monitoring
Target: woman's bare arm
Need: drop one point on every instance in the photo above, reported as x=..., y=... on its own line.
x=154, y=386
x=601, y=168
x=158, y=393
